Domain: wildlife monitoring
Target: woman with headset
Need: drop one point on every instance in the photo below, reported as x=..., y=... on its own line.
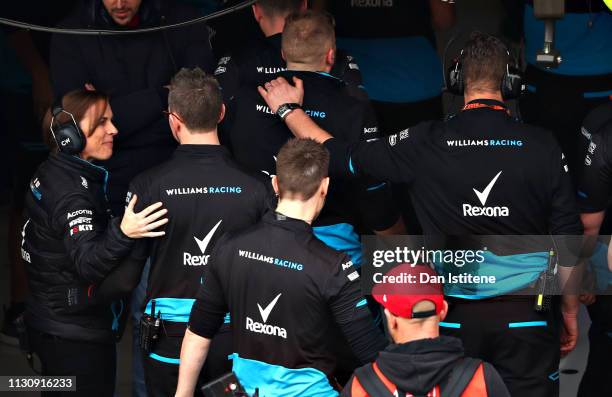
x=71, y=238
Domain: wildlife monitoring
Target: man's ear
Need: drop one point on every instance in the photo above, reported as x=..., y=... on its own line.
x=330, y=57
x=221, y=113
x=391, y=320
x=324, y=187
x=444, y=311
x=275, y=185
x=257, y=12
x=283, y=55
x=175, y=127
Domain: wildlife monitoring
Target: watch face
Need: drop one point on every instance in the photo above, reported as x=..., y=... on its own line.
x=286, y=108
x=283, y=110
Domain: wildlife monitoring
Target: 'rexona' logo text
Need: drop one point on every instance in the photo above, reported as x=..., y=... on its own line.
x=200, y=260
x=263, y=328
x=473, y=210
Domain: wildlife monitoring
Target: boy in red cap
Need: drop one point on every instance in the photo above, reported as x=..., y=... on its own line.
x=420, y=362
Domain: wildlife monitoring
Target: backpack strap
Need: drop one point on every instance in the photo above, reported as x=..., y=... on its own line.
x=460, y=376
x=371, y=383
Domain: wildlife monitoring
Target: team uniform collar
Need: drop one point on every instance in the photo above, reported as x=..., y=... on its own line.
x=85, y=168
x=277, y=219
x=309, y=76
x=200, y=151
x=491, y=104
x=275, y=40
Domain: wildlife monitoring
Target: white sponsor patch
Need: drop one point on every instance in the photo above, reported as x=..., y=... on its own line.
x=79, y=212
x=80, y=228
x=353, y=276
x=264, y=328
x=586, y=133
x=483, y=196
x=200, y=260
x=79, y=220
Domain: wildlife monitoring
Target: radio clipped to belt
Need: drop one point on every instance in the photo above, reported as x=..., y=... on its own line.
x=546, y=286
x=149, y=329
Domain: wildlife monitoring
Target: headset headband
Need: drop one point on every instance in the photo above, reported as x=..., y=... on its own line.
x=67, y=136
x=56, y=109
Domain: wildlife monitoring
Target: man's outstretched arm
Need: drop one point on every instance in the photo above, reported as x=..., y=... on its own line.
x=395, y=161
x=278, y=92
x=206, y=318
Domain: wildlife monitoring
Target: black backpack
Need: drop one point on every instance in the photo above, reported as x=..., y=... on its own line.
x=454, y=384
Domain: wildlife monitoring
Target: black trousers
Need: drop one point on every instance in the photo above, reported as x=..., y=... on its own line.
x=162, y=365
x=93, y=364
x=598, y=371
x=511, y=336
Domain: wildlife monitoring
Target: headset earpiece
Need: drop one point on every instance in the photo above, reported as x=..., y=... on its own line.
x=455, y=77
x=68, y=136
x=511, y=84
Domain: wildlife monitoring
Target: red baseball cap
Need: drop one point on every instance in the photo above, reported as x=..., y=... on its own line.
x=406, y=285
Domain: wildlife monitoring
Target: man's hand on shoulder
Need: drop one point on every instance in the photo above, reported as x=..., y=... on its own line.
x=278, y=92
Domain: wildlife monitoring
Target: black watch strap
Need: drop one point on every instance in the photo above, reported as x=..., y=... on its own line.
x=286, y=108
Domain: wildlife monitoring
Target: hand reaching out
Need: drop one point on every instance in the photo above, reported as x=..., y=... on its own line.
x=141, y=224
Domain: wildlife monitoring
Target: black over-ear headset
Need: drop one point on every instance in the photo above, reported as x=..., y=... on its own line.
x=511, y=84
x=68, y=136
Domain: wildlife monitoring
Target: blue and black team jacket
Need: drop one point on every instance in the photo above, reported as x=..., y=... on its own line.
x=69, y=238
x=595, y=186
x=256, y=135
x=206, y=195
x=481, y=173
x=289, y=296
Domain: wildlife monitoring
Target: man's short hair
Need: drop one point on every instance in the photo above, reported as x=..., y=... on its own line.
x=280, y=7
x=484, y=62
x=301, y=165
x=308, y=36
x=196, y=98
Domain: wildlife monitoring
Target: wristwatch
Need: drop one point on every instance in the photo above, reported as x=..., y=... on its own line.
x=286, y=108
